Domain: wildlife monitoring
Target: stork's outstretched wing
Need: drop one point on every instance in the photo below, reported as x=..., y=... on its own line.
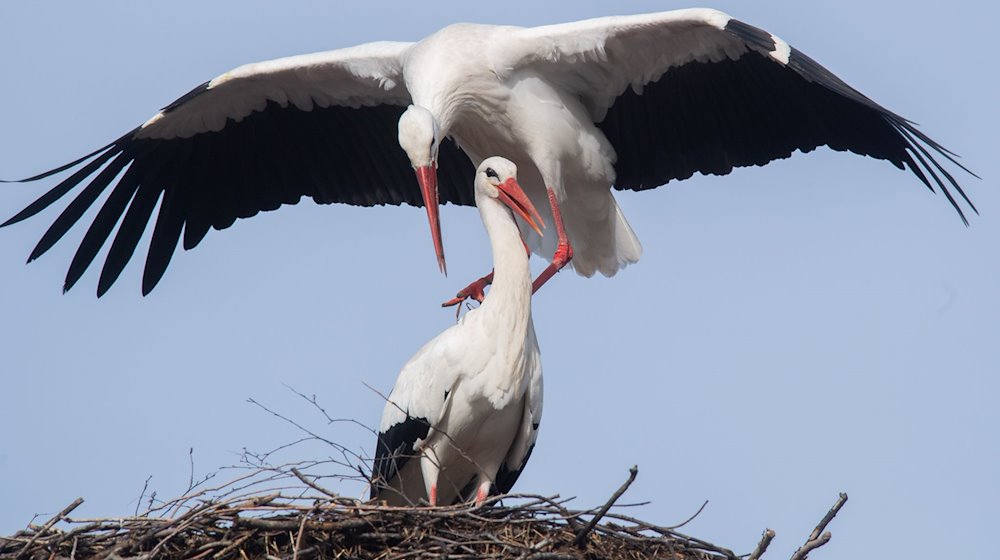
x=321, y=125
x=696, y=90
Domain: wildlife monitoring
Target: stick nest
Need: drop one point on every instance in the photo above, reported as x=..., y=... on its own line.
x=283, y=512
x=524, y=526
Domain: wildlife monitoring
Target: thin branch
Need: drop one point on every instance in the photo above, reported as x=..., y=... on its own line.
x=191, y=472
x=581, y=537
x=145, y=486
x=311, y=399
x=689, y=519
x=313, y=485
x=48, y=525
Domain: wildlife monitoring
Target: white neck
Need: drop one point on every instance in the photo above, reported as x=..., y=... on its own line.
x=510, y=294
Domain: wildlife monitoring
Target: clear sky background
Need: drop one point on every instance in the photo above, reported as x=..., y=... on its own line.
x=822, y=324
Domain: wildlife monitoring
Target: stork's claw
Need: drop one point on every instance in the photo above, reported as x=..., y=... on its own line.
x=474, y=290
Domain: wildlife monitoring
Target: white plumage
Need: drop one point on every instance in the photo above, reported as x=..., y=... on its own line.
x=630, y=102
x=464, y=413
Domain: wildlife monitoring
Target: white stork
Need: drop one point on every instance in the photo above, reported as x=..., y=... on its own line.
x=630, y=102
x=469, y=402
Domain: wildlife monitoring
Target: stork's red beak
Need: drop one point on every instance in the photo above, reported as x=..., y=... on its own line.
x=427, y=177
x=513, y=196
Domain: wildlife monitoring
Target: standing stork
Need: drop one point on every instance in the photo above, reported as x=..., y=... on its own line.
x=468, y=404
x=628, y=102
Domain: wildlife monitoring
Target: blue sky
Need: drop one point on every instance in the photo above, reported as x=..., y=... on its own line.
x=822, y=324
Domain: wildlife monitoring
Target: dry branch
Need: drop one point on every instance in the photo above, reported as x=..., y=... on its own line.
x=48, y=525
x=581, y=537
x=765, y=541
x=818, y=538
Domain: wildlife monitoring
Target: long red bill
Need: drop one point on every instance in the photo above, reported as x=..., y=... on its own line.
x=427, y=177
x=513, y=196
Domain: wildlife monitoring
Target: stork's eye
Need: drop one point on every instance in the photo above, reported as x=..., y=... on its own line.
x=491, y=173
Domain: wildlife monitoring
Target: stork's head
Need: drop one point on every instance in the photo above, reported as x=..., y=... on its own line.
x=420, y=137
x=496, y=179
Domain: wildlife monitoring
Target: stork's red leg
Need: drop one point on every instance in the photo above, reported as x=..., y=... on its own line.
x=564, y=251
x=483, y=492
x=474, y=290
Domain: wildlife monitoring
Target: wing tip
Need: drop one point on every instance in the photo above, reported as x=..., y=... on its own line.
x=925, y=159
x=147, y=286
x=69, y=165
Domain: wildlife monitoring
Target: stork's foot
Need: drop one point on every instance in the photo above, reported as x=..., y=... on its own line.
x=475, y=290
x=564, y=254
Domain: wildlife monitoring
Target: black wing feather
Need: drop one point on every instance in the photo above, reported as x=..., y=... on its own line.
x=80, y=204
x=710, y=117
x=508, y=475
x=394, y=448
x=166, y=234
x=61, y=189
x=133, y=225
x=100, y=229
x=271, y=157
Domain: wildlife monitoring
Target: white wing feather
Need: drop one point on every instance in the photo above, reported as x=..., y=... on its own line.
x=598, y=58
x=528, y=430
x=435, y=369
x=365, y=75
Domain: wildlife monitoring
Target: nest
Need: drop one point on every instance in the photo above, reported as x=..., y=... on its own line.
x=283, y=512
x=525, y=527
x=279, y=526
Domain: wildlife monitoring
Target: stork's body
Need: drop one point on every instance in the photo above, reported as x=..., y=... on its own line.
x=464, y=413
x=627, y=102
x=542, y=128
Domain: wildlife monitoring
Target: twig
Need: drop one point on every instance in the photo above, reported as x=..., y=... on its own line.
x=818, y=538
x=48, y=525
x=689, y=519
x=313, y=485
x=191, y=476
x=311, y=399
x=765, y=541
x=305, y=430
x=581, y=537
x=145, y=486
x=667, y=532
